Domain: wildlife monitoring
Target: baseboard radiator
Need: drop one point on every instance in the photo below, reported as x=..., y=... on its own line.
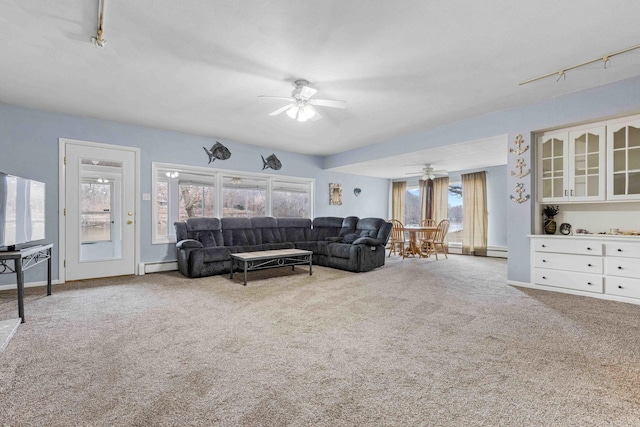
x=157, y=267
x=492, y=251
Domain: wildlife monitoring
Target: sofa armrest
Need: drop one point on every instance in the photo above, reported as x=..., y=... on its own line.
x=189, y=243
x=334, y=239
x=369, y=241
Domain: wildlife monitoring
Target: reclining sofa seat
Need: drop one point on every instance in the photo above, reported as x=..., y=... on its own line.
x=205, y=245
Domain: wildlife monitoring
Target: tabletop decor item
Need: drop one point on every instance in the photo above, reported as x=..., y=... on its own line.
x=550, y=211
x=565, y=228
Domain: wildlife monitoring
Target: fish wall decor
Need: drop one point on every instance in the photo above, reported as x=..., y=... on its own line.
x=271, y=162
x=218, y=151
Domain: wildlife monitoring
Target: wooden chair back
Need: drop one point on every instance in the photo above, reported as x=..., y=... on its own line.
x=428, y=222
x=441, y=233
x=397, y=232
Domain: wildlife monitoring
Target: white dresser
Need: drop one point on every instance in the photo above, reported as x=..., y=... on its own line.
x=592, y=265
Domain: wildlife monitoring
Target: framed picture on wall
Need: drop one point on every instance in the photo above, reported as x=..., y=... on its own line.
x=335, y=194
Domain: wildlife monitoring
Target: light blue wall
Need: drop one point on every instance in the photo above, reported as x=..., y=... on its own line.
x=616, y=99
x=29, y=147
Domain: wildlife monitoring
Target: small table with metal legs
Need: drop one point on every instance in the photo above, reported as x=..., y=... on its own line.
x=24, y=259
x=260, y=260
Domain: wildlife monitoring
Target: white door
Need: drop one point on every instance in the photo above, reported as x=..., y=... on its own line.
x=100, y=236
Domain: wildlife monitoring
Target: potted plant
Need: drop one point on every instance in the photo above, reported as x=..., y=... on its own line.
x=549, y=212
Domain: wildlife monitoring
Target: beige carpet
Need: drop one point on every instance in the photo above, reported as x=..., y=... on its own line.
x=417, y=342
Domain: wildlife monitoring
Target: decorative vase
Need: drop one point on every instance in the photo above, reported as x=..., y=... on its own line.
x=549, y=226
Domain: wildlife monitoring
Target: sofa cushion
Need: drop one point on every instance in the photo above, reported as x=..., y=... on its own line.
x=217, y=254
x=350, y=238
x=266, y=230
x=294, y=229
x=342, y=250
x=205, y=230
x=238, y=232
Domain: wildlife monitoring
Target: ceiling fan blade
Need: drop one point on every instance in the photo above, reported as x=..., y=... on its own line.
x=276, y=97
x=281, y=110
x=334, y=103
x=306, y=92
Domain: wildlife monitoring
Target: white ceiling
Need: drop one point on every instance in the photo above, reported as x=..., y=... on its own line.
x=402, y=66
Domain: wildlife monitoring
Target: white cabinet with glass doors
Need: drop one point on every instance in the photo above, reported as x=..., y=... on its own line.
x=623, y=154
x=571, y=164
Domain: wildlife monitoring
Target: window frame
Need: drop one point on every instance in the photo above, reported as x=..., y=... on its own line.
x=217, y=176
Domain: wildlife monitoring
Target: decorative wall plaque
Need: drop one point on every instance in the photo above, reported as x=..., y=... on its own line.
x=518, y=142
x=520, y=165
x=520, y=189
x=335, y=194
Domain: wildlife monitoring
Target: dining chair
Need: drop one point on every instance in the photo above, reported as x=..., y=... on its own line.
x=397, y=240
x=425, y=236
x=438, y=238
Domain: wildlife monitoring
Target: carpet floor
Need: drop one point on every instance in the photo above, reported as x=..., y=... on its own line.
x=416, y=343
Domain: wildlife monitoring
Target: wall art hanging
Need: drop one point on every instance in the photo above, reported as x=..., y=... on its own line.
x=520, y=165
x=518, y=142
x=357, y=191
x=335, y=194
x=520, y=189
x=271, y=162
x=218, y=151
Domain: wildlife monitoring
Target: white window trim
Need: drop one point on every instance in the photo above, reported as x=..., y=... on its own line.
x=217, y=175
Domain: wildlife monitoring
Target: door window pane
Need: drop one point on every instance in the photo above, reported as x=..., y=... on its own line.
x=95, y=210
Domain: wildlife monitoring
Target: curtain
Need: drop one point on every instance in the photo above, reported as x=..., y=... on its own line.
x=474, y=214
x=426, y=199
x=397, y=200
x=440, y=199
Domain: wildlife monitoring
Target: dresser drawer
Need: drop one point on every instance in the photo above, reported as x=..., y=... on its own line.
x=625, y=267
x=623, y=249
x=569, y=280
x=569, y=246
x=570, y=262
x=623, y=286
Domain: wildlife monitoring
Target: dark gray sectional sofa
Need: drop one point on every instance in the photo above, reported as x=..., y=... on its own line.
x=205, y=245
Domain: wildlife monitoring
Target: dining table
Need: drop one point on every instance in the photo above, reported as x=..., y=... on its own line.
x=414, y=247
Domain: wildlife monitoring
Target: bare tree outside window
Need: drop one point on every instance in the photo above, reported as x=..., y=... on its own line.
x=412, y=206
x=455, y=213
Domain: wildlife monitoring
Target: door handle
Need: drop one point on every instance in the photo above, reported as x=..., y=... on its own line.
x=130, y=221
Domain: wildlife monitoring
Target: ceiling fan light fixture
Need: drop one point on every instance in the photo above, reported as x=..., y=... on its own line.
x=309, y=111
x=293, y=111
x=302, y=116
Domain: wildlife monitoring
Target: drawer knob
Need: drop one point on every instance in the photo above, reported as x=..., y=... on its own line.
x=589, y=283
x=619, y=268
x=544, y=277
x=619, y=287
x=544, y=246
x=544, y=260
x=589, y=265
x=588, y=249
x=619, y=250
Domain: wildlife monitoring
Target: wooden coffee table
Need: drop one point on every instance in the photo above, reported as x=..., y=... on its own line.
x=261, y=260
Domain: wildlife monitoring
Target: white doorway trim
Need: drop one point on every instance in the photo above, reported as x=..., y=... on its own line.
x=62, y=145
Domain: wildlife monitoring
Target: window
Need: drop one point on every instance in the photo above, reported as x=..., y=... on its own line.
x=181, y=192
x=291, y=199
x=412, y=206
x=244, y=196
x=455, y=213
x=95, y=210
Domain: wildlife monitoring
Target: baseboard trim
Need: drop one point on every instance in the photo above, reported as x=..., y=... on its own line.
x=492, y=251
x=574, y=292
x=11, y=286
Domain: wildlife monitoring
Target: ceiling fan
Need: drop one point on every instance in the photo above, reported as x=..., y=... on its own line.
x=301, y=105
x=428, y=172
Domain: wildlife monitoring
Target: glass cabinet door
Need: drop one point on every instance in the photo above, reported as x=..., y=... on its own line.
x=586, y=174
x=623, y=142
x=552, y=151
